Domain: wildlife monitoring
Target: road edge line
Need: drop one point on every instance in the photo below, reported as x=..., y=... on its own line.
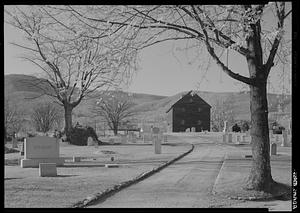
x=116, y=188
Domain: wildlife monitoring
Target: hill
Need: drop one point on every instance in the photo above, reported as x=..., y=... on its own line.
x=150, y=108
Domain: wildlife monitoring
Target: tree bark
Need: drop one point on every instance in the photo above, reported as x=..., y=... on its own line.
x=115, y=129
x=68, y=120
x=260, y=177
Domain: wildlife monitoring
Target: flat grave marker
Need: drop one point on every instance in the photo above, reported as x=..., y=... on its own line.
x=47, y=170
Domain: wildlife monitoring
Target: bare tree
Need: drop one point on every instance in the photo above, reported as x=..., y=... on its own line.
x=115, y=108
x=74, y=65
x=222, y=111
x=239, y=28
x=13, y=116
x=45, y=116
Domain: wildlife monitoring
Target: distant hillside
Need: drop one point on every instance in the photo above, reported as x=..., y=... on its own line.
x=151, y=108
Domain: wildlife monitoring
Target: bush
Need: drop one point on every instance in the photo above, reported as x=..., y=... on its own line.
x=79, y=135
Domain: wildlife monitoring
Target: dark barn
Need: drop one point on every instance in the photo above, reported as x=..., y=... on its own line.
x=190, y=111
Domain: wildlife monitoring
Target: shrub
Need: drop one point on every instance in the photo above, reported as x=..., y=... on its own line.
x=79, y=135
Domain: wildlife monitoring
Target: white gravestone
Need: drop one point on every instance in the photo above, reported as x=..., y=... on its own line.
x=238, y=139
x=225, y=126
x=41, y=149
x=284, y=138
x=90, y=141
x=193, y=129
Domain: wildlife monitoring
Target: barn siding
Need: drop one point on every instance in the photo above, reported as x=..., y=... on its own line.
x=190, y=114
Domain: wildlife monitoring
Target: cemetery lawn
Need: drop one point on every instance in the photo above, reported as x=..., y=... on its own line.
x=76, y=181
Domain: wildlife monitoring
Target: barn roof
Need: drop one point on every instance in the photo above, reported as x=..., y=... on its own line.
x=176, y=100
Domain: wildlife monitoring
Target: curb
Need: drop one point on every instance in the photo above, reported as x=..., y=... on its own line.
x=214, y=192
x=110, y=191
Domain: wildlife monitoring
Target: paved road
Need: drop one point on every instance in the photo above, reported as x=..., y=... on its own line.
x=186, y=183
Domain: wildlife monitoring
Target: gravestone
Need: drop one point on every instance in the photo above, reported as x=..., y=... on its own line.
x=47, y=170
x=156, y=140
x=188, y=130
x=90, y=141
x=273, y=149
x=244, y=138
x=110, y=165
x=238, y=139
x=76, y=159
x=284, y=138
x=14, y=143
x=41, y=149
x=225, y=138
x=157, y=144
x=193, y=129
x=225, y=126
x=230, y=138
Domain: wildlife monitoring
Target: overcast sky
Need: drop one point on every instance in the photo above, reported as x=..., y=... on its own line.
x=164, y=70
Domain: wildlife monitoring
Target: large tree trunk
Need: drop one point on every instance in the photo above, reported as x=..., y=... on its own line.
x=68, y=120
x=260, y=176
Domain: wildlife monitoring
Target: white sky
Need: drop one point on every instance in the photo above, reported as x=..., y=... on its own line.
x=160, y=73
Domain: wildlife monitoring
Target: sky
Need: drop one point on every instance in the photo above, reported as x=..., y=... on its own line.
x=163, y=69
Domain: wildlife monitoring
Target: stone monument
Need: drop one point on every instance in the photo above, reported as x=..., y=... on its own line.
x=41, y=149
